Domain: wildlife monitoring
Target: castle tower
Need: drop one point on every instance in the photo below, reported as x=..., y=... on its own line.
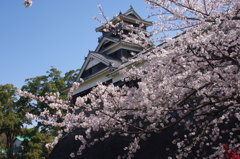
x=104, y=64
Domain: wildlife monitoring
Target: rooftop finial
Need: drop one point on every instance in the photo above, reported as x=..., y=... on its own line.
x=131, y=7
x=120, y=12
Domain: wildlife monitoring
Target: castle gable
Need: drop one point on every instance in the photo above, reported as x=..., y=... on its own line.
x=105, y=42
x=96, y=63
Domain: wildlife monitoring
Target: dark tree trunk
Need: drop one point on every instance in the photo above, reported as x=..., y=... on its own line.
x=10, y=143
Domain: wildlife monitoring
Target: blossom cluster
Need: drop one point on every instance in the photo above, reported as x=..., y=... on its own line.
x=27, y=3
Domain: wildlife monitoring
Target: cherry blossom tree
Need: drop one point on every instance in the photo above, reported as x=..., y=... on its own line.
x=190, y=84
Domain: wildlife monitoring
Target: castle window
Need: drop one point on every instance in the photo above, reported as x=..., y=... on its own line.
x=93, y=70
x=122, y=54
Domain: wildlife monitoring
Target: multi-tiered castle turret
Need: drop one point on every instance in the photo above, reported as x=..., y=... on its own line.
x=103, y=64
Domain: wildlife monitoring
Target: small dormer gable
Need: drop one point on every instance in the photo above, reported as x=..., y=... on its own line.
x=91, y=66
x=129, y=16
x=105, y=42
x=131, y=13
x=132, y=16
x=96, y=63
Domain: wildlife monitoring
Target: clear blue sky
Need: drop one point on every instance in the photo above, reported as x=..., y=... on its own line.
x=55, y=33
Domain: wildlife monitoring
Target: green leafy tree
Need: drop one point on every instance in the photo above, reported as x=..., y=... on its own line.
x=12, y=117
x=13, y=110
x=35, y=147
x=52, y=82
